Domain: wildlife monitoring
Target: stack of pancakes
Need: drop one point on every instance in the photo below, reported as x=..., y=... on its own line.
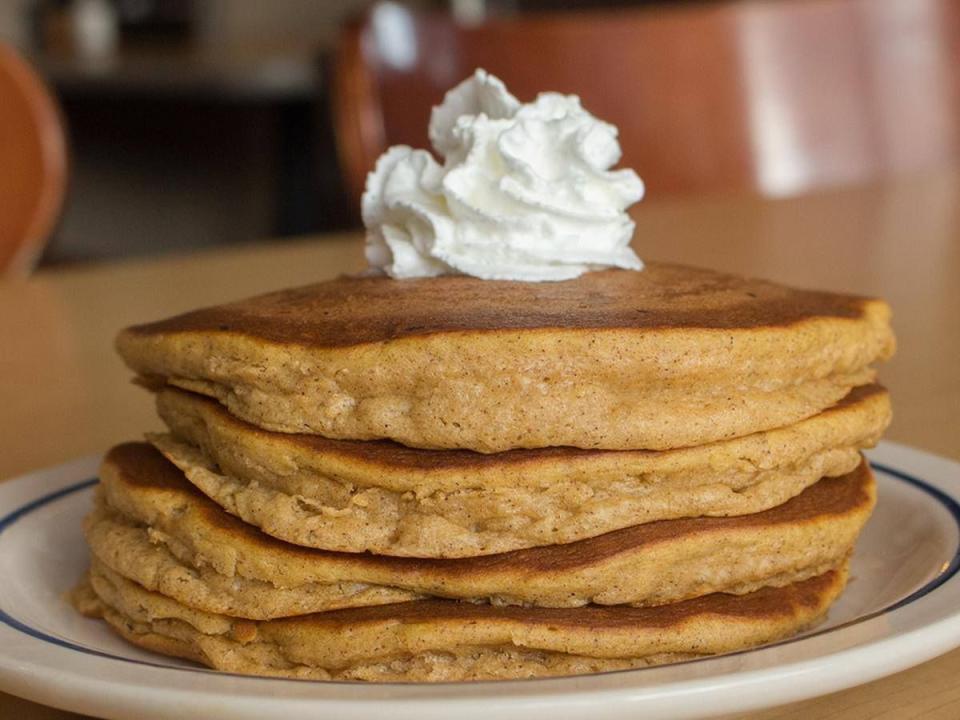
x=450, y=478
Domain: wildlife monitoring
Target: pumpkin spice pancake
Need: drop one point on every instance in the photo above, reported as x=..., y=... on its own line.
x=668, y=357
x=151, y=526
x=445, y=640
x=382, y=497
x=509, y=449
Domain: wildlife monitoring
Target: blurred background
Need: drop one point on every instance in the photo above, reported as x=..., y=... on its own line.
x=202, y=123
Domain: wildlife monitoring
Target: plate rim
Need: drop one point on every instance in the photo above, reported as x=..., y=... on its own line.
x=939, y=636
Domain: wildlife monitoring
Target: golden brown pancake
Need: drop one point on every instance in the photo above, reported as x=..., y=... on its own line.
x=438, y=640
x=668, y=357
x=153, y=527
x=382, y=497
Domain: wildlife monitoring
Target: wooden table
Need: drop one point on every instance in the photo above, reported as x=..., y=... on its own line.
x=65, y=394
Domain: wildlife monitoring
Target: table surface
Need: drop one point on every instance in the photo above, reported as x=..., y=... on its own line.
x=65, y=394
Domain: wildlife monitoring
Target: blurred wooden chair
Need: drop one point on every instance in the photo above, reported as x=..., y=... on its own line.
x=33, y=164
x=776, y=97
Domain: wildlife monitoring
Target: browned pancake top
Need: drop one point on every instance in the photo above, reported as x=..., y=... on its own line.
x=765, y=603
x=142, y=466
x=386, y=453
x=357, y=310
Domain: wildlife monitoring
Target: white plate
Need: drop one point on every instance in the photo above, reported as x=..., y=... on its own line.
x=902, y=607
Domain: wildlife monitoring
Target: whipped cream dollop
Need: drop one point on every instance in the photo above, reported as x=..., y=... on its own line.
x=525, y=191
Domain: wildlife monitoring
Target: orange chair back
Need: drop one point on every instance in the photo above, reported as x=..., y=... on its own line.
x=33, y=164
x=777, y=97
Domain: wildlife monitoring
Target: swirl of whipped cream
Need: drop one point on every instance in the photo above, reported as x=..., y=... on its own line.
x=525, y=192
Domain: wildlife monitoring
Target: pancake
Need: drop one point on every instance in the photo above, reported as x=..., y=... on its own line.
x=668, y=357
x=382, y=497
x=153, y=527
x=441, y=640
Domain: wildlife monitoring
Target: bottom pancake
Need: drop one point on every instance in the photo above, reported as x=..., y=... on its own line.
x=445, y=640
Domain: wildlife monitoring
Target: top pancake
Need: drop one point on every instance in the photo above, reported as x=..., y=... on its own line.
x=663, y=358
x=358, y=310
